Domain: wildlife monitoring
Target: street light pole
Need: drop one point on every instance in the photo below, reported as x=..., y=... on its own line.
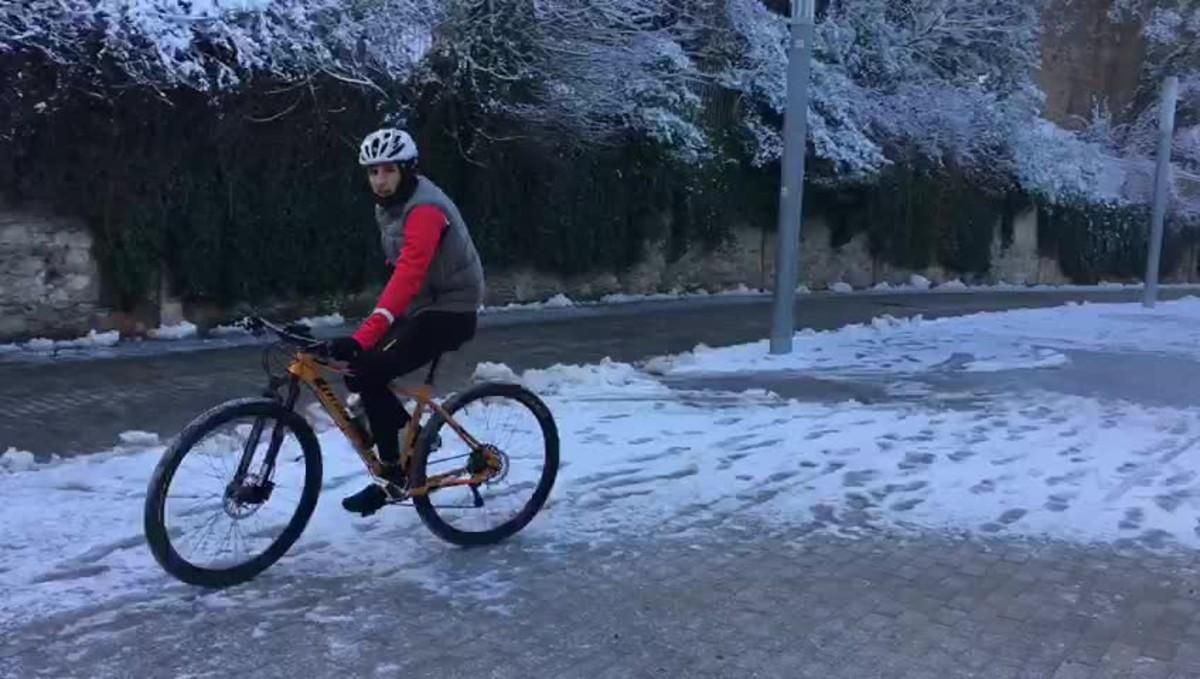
x=1162, y=177
x=791, y=193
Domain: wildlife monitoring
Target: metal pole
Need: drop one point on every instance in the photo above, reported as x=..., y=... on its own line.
x=1162, y=178
x=791, y=193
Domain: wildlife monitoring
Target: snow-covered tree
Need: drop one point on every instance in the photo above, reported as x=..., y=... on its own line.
x=945, y=80
x=592, y=71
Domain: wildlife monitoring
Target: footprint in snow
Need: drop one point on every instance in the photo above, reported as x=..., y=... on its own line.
x=824, y=513
x=906, y=505
x=859, y=478
x=894, y=488
x=760, y=444
x=1172, y=501
x=1133, y=519
x=1180, y=479
x=1066, y=478
x=858, y=501
x=1156, y=538
x=1059, y=503
x=917, y=460
x=1003, y=522
x=1012, y=516
x=983, y=487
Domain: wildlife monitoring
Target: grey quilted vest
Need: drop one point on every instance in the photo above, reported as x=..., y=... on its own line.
x=454, y=281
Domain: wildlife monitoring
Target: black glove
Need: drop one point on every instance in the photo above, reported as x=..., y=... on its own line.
x=345, y=349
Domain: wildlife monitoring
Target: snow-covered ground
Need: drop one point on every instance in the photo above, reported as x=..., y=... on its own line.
x=656, y=449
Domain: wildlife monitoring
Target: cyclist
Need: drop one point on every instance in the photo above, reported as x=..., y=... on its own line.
x=428, y=306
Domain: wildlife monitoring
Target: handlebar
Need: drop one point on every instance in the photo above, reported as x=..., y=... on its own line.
x=295, y=334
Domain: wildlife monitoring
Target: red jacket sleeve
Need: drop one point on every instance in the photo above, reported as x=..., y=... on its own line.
x=422, y=232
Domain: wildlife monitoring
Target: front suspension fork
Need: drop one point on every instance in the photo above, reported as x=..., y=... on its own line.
x=277, y=434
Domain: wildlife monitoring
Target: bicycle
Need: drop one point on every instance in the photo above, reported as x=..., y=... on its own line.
x=251, y=486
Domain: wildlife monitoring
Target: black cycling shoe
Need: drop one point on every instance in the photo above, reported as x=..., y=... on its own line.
x=366, y=501
x=373, y=498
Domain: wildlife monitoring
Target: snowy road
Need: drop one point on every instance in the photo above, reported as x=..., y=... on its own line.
x=78, y=404
x=1002, y=494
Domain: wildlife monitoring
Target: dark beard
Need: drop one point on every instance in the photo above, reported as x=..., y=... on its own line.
x=404, y=191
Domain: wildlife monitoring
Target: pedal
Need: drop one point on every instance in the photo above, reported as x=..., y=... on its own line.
x=395, y=493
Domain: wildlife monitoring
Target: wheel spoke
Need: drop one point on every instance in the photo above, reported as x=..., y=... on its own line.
x=515, y=487
x=187, y=535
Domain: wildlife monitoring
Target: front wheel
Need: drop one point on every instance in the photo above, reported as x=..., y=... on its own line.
x=244, y=478
x=519, y=460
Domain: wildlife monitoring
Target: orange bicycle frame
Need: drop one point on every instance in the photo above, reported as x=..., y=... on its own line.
x=307, y=370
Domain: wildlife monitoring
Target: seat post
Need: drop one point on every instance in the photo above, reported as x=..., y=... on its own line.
x=432, y=369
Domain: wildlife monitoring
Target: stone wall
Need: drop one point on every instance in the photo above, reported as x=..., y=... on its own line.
x=49, y=281
x=50, y=285
x=749, y=259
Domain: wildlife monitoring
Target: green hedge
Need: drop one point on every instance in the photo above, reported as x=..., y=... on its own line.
x=258, y=195
x=1092, y=242
x=916, y=216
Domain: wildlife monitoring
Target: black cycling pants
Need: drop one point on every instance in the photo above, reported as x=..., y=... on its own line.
x=410, y=343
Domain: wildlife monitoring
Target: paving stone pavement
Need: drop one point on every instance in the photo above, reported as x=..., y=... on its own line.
x=72, y=406
x=751, y=601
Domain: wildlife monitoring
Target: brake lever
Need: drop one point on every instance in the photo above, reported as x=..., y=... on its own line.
x=299, y=330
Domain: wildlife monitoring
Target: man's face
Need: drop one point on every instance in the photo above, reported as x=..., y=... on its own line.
x=384, y=178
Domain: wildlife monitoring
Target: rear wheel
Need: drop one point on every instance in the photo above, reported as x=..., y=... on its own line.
x=520, y=472
x=228, y=480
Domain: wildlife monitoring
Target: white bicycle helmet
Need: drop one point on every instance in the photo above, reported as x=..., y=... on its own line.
x=388, y=145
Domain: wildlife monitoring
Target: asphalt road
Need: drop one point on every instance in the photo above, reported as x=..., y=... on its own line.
x=78, y=406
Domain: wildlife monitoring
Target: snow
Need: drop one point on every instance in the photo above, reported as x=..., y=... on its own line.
x=562, y=301
x=228, y=331
x=652, y=449
x=13, y=460
x=912, y=345
x=181, y=330
x=93, y=339
x=138, y=438
x=558, y=301
x=841, y=286
x=333, y=320
x=918, y=282
x=953, y=284
x=1041, y=358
